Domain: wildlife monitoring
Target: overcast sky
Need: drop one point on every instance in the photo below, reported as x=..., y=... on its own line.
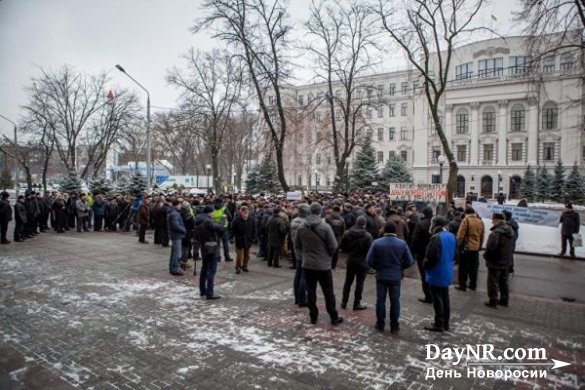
x=146, y=37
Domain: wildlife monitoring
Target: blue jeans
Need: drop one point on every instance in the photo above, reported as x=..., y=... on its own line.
x=225, y=241
x=299, y=285
x=207, y=275
x=175, y=255
x=392, y=289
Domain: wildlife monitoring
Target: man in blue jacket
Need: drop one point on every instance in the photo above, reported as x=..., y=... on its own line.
x=389, y=256
x=438, y=266
x=177, y=232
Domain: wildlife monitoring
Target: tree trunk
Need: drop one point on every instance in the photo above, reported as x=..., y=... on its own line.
x=215, y=172
x=280, y=166
x=45, y=169
x=28, y=176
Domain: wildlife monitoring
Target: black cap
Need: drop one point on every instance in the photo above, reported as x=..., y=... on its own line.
x=498, y=216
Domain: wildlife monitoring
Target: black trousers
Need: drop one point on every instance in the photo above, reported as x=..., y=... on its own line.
x=98, y=222
x=18, y=231
x=468, y=269
x=569, y=239
x=142, y=232
x=425, y=287
x=325, y=280
x=358, y=274
x=442, y=306
x=497, y=280
x=274, y=255
x=3, y=231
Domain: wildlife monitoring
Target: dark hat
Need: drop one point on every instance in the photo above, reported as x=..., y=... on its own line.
x=316, y=208
x=507, y=214
x=569, y=206
x=5, y=195
x=208, y=209
x=304, y=210
x=427, y=212
x=276, y=211
x=498, y=216
x=361, y=221
x=440, y=221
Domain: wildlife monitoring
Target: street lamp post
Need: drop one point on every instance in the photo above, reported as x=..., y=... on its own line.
x=500, y=188
x=441, y=159
x=148, y=134
x=316, y=181
x=208, y=171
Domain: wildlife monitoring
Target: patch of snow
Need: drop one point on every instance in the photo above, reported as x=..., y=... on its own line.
x=185, y=370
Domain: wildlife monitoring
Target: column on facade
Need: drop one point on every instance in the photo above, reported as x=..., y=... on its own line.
x=502, y=131
x=449, y=123
x=532, y=126
x=475, y=130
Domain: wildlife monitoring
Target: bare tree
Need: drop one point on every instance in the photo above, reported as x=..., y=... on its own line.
x=428, y=32
x=238, y=147
x=211, y=89
x=23, y=153
x=131, y=143
x=345, y=34
x=175, y=138
x=259, y=30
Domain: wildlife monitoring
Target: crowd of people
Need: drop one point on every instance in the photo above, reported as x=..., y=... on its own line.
x=376, y=236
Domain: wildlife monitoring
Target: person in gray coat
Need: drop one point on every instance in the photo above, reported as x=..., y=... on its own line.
x=315, y=243
x=299, y=284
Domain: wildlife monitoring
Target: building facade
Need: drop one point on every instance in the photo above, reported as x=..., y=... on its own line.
x=501, y=112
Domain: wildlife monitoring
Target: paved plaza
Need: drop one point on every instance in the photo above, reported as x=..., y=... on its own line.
x=99, y=311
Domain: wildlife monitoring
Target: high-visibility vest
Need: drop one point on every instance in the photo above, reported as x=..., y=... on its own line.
x=218, y=215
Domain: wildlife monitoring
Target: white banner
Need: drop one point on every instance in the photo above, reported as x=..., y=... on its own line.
x=293, y=195
x=527, y=215
x=418, y=192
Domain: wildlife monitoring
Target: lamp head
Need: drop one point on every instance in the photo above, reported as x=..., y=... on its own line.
x=119, y=67
x=441, y=159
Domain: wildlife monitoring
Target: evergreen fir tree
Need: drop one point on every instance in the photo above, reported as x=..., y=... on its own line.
x=101, y=185
x=252, y=181
x=557, y=190
x=527, y=188
x=121, y=186
x=5, y=178
x=267, y=180
x=395, y=171
x=543, y=184
x=574, y=186
x=136, y=185
x=365, y=169
x=69, y=184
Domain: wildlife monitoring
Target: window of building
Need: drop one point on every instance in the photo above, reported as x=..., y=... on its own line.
x=319, y=97
x=404, y=109
x=415, y=85
x=271, y=100
x=404, y=155
x=566, y=61
x=391, y=154
x=337, y=114
x=358, y=93
x=328, y=159
x=310, y=97
x=318, y=159
x=491, y=67
x=370, y=92
x=391, y=110
x=489, y=120
x=369, y=113
x=318, y=136
x=488, y=152
x=370, y=132
x=517, y=152
x=404, y=87
x=519, y=65
x=403, y=133
x=381, y=112
x=462, y=121
x=436, y=153
x=380, y=157
x=318, y=117
x=518, y=118
x=380, y=90
x=435, y=178
x=461, y=153
x=548, y=64
x=548, y=151
x=391, y=133
x=380, y=134
x=392, y=89
x=550, y=116
x=464, y=71
x=301, y=100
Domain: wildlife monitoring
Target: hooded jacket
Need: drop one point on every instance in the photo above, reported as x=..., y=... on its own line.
x=337, y=223
x=175, y=225
x=421, y=236
x=316, y=243
x=277, y=231
x=499, y=249
x=356, y=243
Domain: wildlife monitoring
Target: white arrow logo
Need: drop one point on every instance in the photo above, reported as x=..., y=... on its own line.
x=555, y=364
x=559, y=364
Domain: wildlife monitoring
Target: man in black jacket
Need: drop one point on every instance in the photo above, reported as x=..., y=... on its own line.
x=243, y=230
x=356, y=243
x=208, y=233
x=498, y=258
x=5, y=216
x=571, y=225
x=420, y=240
x=20, y=219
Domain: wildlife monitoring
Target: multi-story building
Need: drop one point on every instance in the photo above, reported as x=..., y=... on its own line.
x=501, y=112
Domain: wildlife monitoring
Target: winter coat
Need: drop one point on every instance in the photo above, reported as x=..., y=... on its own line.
x=142, y=216
x=571, y=223
x=349, y=219
x=99, y=207
x=175, y=225
x=294, y=226
x=421, y=237
x=207, y=232
x=5, y=211
x=440, y=259
x=411, y=221
x=499, y=249
x=244, y=232
x=159, y=217
x=471, y=233
x=82, y=209
x=389, y=256
x=401, y=227
x=454, y=225
x=20, y=213
x=276, y=231
x=337, y=224
x=316, y=243
x=356, y=243
x=372, y=225
x=515, y=228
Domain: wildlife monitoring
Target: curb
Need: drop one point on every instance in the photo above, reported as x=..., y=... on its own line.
x=550, y=256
